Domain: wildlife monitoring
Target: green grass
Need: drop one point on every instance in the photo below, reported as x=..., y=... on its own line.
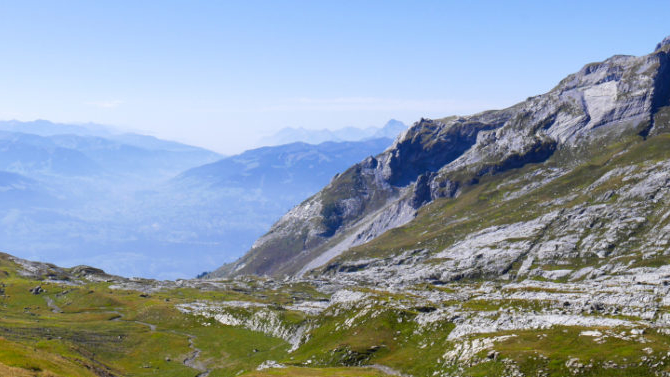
x=560, y=344
x=99, y=332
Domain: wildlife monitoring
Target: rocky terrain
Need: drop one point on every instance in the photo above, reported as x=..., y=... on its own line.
x=83, y=322
x=529, y=241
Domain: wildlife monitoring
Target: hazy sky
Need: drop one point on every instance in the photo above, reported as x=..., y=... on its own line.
x=221, y=74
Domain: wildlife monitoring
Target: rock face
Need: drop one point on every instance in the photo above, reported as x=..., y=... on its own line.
x=663, y=44
x=601, y=105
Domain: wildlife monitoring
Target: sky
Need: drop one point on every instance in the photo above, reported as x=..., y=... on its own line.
x=222, y=74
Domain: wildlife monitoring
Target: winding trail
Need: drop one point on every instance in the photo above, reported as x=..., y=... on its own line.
x=190, y=360
x=151, y=327
x=120, y=318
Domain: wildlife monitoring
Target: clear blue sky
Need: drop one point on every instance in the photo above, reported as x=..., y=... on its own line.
x=220, y=74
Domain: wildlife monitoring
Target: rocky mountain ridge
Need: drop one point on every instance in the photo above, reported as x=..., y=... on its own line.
x=622, y=99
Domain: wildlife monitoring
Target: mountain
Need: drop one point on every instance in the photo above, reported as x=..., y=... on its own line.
x=105, y=147
x=43, y=127
x=32, y=154
x=500, y=193
x=529, y=241
x=288, y=135
x=392, y=129
x=222, y=207
x=18, y=191
x=72, y=155
x=137, y=205
x=295, y=164
x=71, y=197
x=136, y=154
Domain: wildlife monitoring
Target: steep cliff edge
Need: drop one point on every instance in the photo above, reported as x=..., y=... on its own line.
x=622, y=98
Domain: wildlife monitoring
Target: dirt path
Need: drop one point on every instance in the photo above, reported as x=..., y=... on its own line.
x=120, y=318
x=151, y=327
x=191, y=360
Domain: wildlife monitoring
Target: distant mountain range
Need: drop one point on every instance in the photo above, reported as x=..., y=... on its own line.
x=93, y=155
x=140, y=206
x=290, y=135
x=215, y=212
x=46, y=128
x=43, y=127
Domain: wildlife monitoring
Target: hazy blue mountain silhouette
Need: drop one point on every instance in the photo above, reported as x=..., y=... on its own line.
x=140, y=206
x=221, y=208
x=291, y=135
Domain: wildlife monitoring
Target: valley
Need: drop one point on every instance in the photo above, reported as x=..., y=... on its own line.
x=532, y=240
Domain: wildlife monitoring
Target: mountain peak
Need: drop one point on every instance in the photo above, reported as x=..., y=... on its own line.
x=393, y=122
x=665, y=42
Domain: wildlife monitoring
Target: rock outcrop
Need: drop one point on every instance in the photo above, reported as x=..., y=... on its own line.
x=600, y=105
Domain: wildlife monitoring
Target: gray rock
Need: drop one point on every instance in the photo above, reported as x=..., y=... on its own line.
x=37, y=290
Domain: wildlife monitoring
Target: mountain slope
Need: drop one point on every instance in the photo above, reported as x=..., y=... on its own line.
x=621, y=100
x=76, y=155
x=43, y=127
x=71, y=197
x=137, y=205
x=221, y=208
x=46, y=128
x=296, y=164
